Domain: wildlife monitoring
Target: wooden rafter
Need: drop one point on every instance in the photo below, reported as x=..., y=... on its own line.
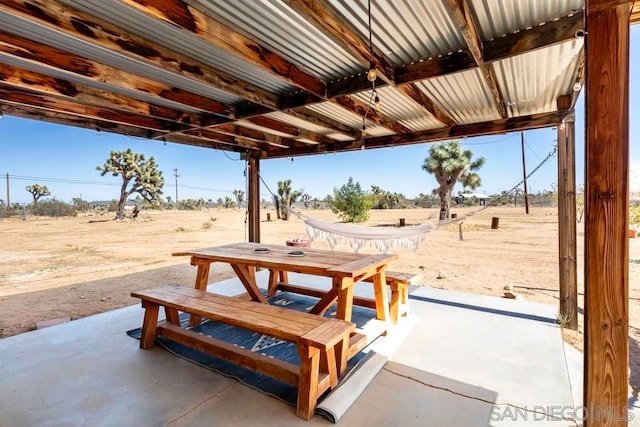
x=426, y=104
x=540, y=36
x=323, y=17
x=65, y=119
x=50, y=103
x=36, y=53
x=360, y=108
x=475, y=129
x=183, y=15
x=14, y=77
x=462, y=17
x=93, y=30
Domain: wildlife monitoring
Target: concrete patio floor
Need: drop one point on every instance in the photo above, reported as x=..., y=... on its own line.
x=470, y=360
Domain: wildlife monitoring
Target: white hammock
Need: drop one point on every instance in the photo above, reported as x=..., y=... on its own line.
x=358, y=236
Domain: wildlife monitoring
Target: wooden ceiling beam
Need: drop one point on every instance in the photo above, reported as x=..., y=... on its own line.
x=360, y=108
x=188, y=18
x=462, y=17
x=325, y=18
x=14, y=77
x=65, y=119
x=476, y=129
x=421, y=98
x=36, y=53
x=46, y=102
x=59, y=17
x=541, y=36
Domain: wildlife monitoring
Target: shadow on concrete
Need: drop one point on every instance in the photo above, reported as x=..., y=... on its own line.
x=486, y=309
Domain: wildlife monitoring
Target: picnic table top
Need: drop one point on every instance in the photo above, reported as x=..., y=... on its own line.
x=287, y=258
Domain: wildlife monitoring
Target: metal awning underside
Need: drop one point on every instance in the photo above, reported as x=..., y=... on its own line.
x=288, y=77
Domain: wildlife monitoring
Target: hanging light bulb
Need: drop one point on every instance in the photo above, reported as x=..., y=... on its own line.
x=376, y=101
x=98, y=131
x=372, y=74
x=1, y=115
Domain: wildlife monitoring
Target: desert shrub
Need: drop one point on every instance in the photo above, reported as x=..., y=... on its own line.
x=350, y=202
x=634, y=215
x=53, y=208
x=207, y=225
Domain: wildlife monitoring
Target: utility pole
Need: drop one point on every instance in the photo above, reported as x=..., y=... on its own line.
x=8, y=196
x=524, y=172
x=175, y=174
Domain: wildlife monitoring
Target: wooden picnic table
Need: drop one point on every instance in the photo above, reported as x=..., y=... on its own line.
x=344, y=268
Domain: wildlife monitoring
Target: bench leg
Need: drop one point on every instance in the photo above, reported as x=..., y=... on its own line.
x=308, y=383
x=329, y=365
x=149, y=325
x=342, y=355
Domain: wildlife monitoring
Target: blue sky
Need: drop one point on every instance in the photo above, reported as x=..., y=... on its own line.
x=32, y=151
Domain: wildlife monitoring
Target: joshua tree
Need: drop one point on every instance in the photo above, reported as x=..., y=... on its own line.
x=138, y=176
x=450, y=164
x=37, y=191
x=239, y=194
x=287, y=197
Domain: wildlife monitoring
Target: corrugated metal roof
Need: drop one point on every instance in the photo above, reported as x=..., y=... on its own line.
x=399, y=107
x=530, y=83
x=499, y=17
x=404, y=30
x=341, y=114
x=77, y=79
x=463, y=96
x=136, y=22
x=274, y=25
x=62, y=41
x=295, y=121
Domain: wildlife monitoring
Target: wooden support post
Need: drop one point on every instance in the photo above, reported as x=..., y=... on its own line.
x=567, y=223
x=402, y=222
x=607, y=213
x=254, y=199
x=524, y=173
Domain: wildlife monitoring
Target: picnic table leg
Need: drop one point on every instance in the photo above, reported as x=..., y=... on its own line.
x=382, y=303
x=247, y=276
x=283, y=276
x=394, y=305
x=273, y=283
x=149, y=325
x=345, y=307
x=308, y=382
x=202, y=279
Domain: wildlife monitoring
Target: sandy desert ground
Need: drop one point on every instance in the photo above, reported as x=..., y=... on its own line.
x=75, y=267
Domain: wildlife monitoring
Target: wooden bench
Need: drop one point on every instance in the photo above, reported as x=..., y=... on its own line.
x=317, y=339
x=398, y=283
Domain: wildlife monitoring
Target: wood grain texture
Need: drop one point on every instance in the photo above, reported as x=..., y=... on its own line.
x=253, y=203
x=540, y=36
x=568, y=268
x=491, y=127
x=13, y=46
x=93, y=30
x=606, y=194
x=322, y=16
x=183, y=15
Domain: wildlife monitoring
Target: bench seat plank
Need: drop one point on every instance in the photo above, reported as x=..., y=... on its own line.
x=278, y=322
